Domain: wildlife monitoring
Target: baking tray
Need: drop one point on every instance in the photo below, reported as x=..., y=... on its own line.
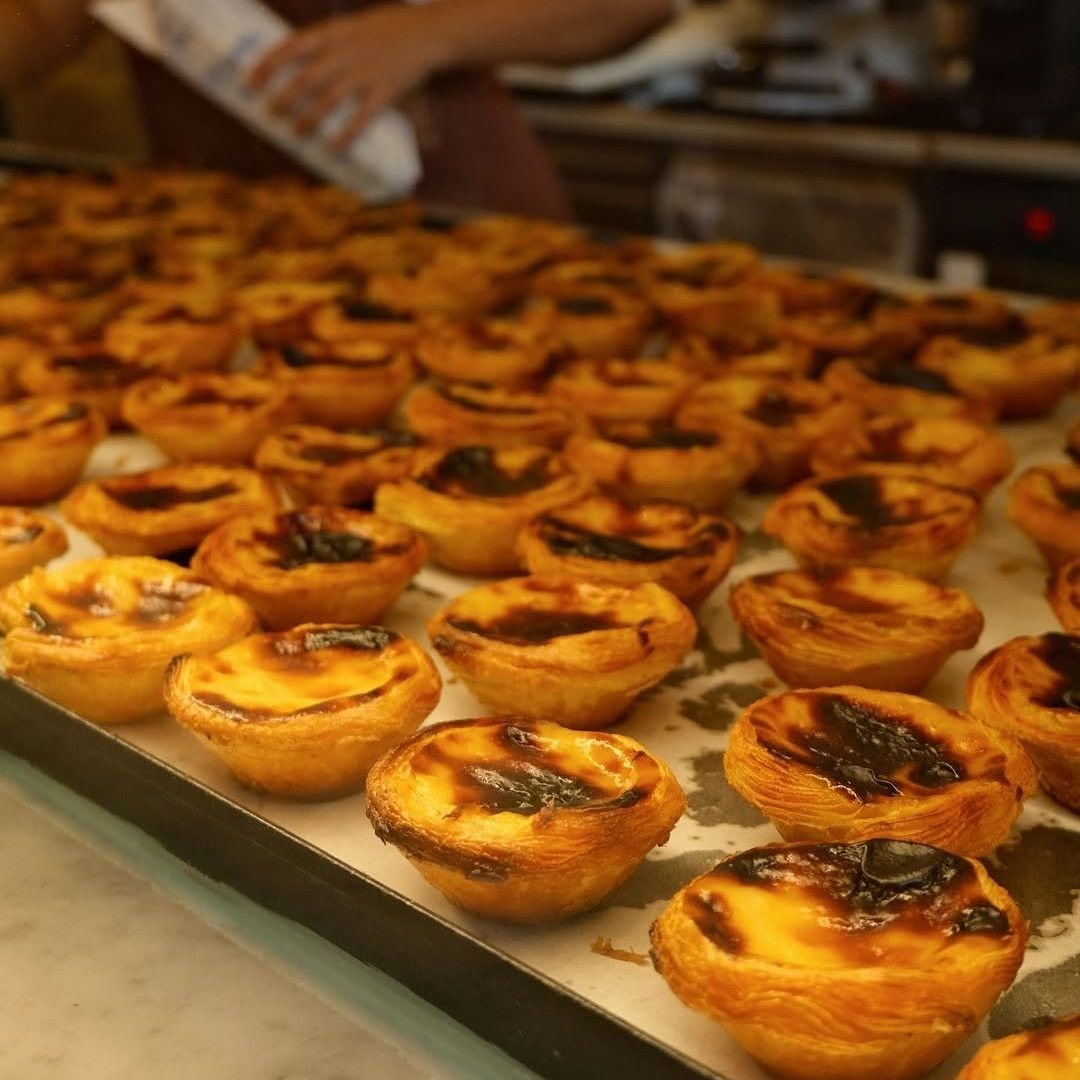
x=578, y=999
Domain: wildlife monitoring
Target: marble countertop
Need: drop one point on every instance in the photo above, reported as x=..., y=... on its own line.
x=122, y=962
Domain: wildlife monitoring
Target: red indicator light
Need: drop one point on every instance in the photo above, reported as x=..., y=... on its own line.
x=1039, y=223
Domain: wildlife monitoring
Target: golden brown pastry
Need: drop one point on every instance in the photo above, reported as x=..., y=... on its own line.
x=803, y=290
x=1044, y=502
x=600, y=538
x=833, y=334
x=1027, y=373
x=701, y=265
x=946, y=313
x=304, y=713
x=358, y=320
x=1072, y=446
x=390, y=252
x=522, y=820
x=206, y=416
x=842, y=961
x=901, y=523
x=948, y=450
x=621, y=389
x=578, y=650
x=95, y=636
x=1061, y=319
x=335, y=468
x=1030, y=688
x=27, y=540
x=1049, y=1052
x=843, y=764
x=460, y=414
x=496, y=351
x=739, y=315
x=712, y=360
x=597, y=322
x=861, y=625
x=637, y=461
x=46, y=443
x=340, y=384
x=173, y=337
x=279, y=311
x=166, y=510
x=1063, y=592
x=454, y=283
x=84, y=371
x=470, y=503
x=899, y=387
x=785, y=417
x=322, y=564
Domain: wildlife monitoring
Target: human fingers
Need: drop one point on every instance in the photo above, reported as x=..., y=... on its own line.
x=321, y=106
x=297, y=46
x=366, y=108
x=307, y=82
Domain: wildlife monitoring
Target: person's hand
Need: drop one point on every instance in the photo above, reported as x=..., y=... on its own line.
x=370, y=58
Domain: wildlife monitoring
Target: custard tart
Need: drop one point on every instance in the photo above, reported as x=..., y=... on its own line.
x=639, y=461
x=834, y=334
x=785, y=417
x=901, y=523
x=842, y=961
x=700, y=265
x=621, y=389
x=494, y=351
x=581, y=651
x=335, y=468
x=948, y=450
x=341, y=384
x=735, y=314
x=711, y=360
x=471, y=503
x=85, y=371
x=304, y=713
x=901, y=387
x=844, y=764
x=1060, y=319
x=1030, y=688
x=600, y=538
x=522, y=820
x=1072, y=444
x=860, y=625
x=208, y=417
x=321, y=564
x=1028, y=373
x=1044, y=502
x=27, y=540
x=598, y=322
x=172, y=338
x=279, y=311
x=1048, y=1052
x=803, y=290
x=350, y=318
x=166, y=510
x=946, y=313
x=46, y=442
x=460, y=414
x=454, y=283
x=96, y=636
x=1063, y=592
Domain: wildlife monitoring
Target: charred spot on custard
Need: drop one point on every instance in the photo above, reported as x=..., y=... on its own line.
x=1013, y=332
x=164, y=600
x=709, y=914
x=1061, y=653
x=301, y=540
x=774, y=408
x=528, y=626
x=360, y=638
x=866, y=754
x=369, y=311
x=563, y=538
x=906, y=373
x=585, y=305
x=475, y=470
x=661, y=437
x=207, y=395
x=76, y=410
x=165, y=496
x=861, y=497
x=1069, y=497
x=472, y=405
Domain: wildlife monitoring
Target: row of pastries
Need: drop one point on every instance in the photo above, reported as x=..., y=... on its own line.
x=346, y=393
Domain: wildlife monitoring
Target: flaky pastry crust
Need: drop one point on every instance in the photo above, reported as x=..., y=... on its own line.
x=304, y=713
x=900, y=523
x=862, y=625
x=496, y=351
x=355, y=319
x=600, y=538
x=1063, y=592
x=171, y=338
x=458, y=414
x=95, y=636
x=205, y=416
x=711, y=360
x=522, y=820
x=322, y=564
x=637, y=461
x=842, y=961
x=1044, y=502
x=580, y=651
x=470, y=503
x=621, y=389
x=598, y=322
x=166, y=510
x=948, y=450
x=46, y=444
x=344, y=384
x=279, y=311
x=27, y=540
x=335, y=468
x=1048, y=1052
x=1060, y=319
x=1030, y=688
x=843, y=764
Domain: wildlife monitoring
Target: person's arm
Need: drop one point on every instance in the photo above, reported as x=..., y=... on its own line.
x=376, y=55
x=36, y=35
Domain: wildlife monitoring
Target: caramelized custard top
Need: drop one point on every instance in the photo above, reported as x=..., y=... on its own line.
x=32, y=416
x=488, y=473
x=834, y=906
x=870, y=502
